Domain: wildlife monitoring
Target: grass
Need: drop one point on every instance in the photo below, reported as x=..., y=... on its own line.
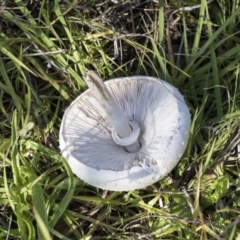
x=47, y=46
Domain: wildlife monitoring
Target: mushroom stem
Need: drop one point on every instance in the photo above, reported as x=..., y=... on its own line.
x=113, y=110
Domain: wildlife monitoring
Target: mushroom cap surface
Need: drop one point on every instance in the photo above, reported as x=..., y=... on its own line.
x=164, y=121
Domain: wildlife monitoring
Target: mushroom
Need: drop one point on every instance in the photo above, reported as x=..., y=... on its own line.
x=125, y=133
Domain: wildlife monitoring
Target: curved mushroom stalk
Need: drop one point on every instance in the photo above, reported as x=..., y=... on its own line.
x=125, y=133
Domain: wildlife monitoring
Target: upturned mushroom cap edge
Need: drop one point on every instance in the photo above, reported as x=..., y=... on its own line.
x=164, y=120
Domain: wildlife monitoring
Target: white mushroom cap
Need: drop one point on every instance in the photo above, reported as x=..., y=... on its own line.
x=86, y=134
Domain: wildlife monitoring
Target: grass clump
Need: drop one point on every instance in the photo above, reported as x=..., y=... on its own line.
x=47, y=46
